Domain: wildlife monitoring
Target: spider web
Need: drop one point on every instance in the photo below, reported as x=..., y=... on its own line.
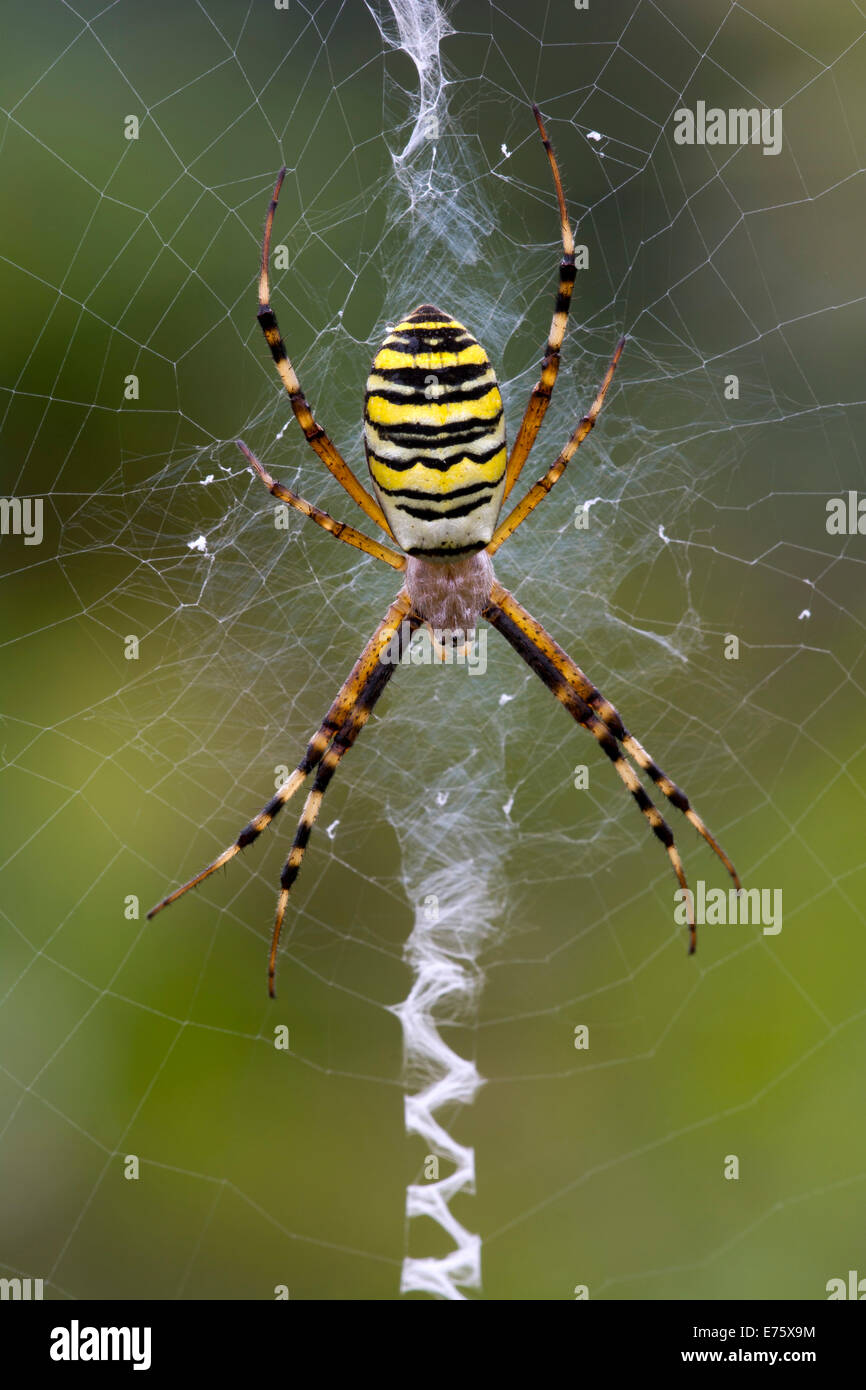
x=464, y=907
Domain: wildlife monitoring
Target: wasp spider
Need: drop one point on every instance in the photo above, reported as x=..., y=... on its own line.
x=441, y=473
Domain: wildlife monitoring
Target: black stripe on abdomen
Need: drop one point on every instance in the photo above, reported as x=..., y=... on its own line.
x=446, y=497
x=469, y=392
x=420, y=378
x=408, y=434
x=431, y=514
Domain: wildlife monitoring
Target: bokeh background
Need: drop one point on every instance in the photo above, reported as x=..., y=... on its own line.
x=260, y=1167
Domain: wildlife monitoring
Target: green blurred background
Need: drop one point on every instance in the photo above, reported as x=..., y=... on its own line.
x=260, y=1167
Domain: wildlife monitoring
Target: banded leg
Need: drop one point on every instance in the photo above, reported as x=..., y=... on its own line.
x=341, y=744
x=339, y=529
x=536, y=407
x=313, y=432
x=609, y=716
x=540, y=661
x=540, y=490
x=341, y=710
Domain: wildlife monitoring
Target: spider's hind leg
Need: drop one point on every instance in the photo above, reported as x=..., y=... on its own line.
x=609, y=716
x=588, y=707
x=341, y=710
x=341, y=744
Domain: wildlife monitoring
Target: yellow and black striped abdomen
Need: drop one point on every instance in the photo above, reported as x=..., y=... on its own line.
x=434, y=433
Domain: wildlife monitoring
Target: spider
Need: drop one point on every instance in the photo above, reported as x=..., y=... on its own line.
x=434, y=437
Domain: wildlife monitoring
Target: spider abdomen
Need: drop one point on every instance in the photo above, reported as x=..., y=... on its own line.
x=434, y=434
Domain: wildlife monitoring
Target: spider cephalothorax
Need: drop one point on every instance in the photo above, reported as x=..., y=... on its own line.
x=434, y=433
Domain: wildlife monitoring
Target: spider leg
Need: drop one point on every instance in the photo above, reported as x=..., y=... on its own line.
x=367, y=665
x=549, y=662
x=608, y=715
x=341, y=744
x=540, y=490
x=338, y=529
x=313, y=432
x=539, y=400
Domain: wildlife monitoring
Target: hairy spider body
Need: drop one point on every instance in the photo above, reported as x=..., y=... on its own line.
x=450, y=596
x=434, y=435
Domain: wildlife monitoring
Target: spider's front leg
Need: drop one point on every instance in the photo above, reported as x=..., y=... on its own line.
x=315, y=436
x=539, y=400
